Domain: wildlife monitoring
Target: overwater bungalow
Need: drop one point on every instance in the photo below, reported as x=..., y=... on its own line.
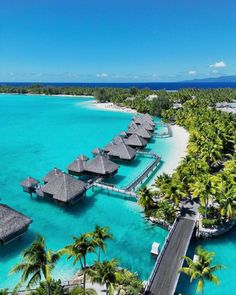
x=77, y=166
x=122, y=151
x=141, y=131
x=12, y=224
x=29, y=184
x=97, y=151
x=147, y=126
x=52, y=175
x=64, y=188
x=108, y=147
x=135, y=141
x=117, y=140
x=101, y=166
x=142, y=119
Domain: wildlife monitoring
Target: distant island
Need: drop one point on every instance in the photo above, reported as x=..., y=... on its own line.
x=223, y=79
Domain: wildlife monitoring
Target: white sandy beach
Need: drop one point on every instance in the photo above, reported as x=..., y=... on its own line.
x=109, y=106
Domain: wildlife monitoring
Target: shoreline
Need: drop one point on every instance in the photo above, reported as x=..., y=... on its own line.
x=110, y=106
x=43, y=94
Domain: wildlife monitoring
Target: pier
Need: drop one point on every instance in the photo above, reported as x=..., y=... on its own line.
x=139, y=179
x=164, y=277
x=115, y=189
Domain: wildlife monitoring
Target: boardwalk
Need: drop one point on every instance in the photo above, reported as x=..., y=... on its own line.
x=164, y=277
x=139, y=179
x=115, y=189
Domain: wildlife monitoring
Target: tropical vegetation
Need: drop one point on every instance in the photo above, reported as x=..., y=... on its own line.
x=201, y=269
x=38, y=262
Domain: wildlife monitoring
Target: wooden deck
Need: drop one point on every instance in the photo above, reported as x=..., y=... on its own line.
x=115, y=189
x=165, y=275
x=140, y=178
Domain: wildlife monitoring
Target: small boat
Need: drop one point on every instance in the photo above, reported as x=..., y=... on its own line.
x=155, y=249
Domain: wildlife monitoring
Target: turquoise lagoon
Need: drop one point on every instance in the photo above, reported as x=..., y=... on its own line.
x=38, y=133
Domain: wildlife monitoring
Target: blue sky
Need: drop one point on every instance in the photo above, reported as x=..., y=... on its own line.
x=116, y=40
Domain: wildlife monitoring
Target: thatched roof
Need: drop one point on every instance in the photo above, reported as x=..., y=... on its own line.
x=83, y=157
x=64, y=188
x=76, y=166
x=122, y=151
x=147, y=126
x=52, y=175
x=135, y=140
x=123, y=133
x=133, y=125
x=12, y=223
x=108, y=147
x=142, y=119
x=117, y=140
x=97, y=151
x=141, y=131
x=29, y=182
x=101, y=165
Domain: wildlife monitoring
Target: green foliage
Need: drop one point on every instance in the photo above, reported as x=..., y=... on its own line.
x=4, y=292
x=37, y=263
x=129, y=283
x=159, y=104
x=165, y=211
x=82, y=291
x=201, y=269
x=53, y=288
x=210, y=223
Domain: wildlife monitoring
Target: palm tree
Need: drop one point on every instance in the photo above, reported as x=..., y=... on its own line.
x=38, y=263
x=105, y=273
x=201, y=269
x=203, y=188
x=82, y=245
x=99, y=235
x=145, y=198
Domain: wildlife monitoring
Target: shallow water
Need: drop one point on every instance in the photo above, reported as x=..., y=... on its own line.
x=38, y=133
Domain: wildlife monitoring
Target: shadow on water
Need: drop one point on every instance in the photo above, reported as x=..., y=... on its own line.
x=152, y=174
x=12, y=249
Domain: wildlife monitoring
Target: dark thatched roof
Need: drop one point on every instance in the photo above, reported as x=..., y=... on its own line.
x=122, y=151
x=135, y=140
x=83, y=157
x=64, y=188
x=97, y=151
x=101, y=165
x=141, y=131
x=147, y=126
x=108, y=147
x=141, y=119
x=52, y=175
x=29, y=182
x=12, y=223
x=117, y=140
x=77, y=165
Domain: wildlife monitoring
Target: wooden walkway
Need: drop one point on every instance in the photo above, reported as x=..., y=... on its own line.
x=115, y=189
x=164, y=277
x=139, y=179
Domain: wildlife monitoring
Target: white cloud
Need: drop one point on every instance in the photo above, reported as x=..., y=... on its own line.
x=102, y=75
x=218, y=64
x=192, y=72
x=215, y=71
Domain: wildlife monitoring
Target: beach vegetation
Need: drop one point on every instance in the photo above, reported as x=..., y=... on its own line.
x=201, y=268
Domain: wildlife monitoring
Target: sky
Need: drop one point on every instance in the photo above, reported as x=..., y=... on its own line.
x=116, y=40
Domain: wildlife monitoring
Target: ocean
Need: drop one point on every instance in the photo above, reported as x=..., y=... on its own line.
x=149, y=85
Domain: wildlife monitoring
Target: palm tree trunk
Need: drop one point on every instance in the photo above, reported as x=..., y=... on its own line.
x=84, y=281
x=107, y=289
x=99, y=254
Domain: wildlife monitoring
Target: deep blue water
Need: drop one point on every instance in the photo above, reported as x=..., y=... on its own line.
x=150, y=85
